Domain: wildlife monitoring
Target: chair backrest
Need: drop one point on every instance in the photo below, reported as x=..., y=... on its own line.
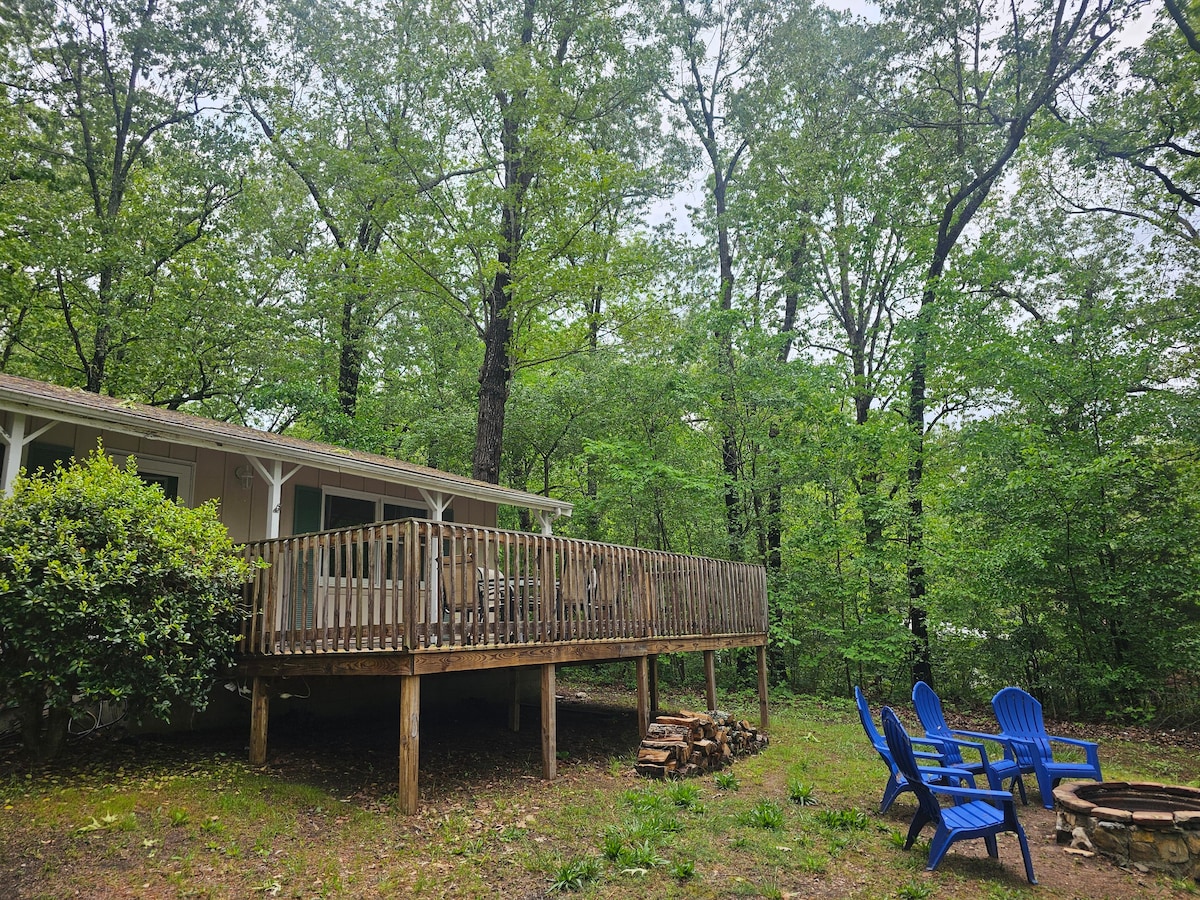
x=1020, y=715
x=933, y=720
x=868, y=724
x=901, y=749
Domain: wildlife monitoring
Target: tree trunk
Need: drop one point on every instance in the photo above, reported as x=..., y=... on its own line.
x=495, y=374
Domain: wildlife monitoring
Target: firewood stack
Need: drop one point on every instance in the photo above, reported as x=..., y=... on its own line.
x=691, y=743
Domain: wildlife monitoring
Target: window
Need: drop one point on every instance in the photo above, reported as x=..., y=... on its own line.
x=346, y=510
x=175, y=478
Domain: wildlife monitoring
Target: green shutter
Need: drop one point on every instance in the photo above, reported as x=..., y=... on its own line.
x=306, y=517
x=306, y=511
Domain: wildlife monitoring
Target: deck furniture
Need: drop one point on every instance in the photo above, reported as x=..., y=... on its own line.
x=1020, y=718
x=974, y=814
x=929, y=710
x=897, y=783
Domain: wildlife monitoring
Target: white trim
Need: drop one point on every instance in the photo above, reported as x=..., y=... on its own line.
x=158, y=465
x=380, y=500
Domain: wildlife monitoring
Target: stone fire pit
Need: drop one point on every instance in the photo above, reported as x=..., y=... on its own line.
x=1147, y=825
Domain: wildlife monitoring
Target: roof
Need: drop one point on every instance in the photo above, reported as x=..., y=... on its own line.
x=50, y=401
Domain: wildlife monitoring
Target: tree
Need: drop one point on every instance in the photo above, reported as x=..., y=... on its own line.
x=108, y=591
x=830, y=208
x=119, y=113
x=341, y=97
x=1069, y=500
x=980, y=75
x=707, y=95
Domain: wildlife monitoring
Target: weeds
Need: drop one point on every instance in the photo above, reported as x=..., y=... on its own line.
x=915, y=890
x=683, y=869
x=726, y=781
x=844, y=819
x=766, y=814
x=576, y=874
x=800, y=793
x=686, y=795
x=640, y=855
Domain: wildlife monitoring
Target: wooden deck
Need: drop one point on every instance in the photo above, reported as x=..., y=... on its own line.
x=414, y=597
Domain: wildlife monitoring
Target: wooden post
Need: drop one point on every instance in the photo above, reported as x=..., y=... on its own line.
x=410, y=739
x=514, y=699
x=643, y=695
x=260, y=703
x=710, y=678
x=653, y=661
x=764, y=722
x=549, y=724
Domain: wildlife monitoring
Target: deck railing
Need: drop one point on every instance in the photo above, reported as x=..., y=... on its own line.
x=414, y=585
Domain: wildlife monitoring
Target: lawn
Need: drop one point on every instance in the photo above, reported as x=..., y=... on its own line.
x=187, y=816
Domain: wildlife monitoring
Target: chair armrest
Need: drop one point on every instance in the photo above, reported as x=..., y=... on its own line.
x=928, y=772
x=1002, y=739
x=974, y=745
x=1090, y=747
x=922, y=755
x=1075, y=741
x=971, y=793
x=980, y=736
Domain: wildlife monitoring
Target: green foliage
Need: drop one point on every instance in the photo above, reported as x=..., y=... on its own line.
x=110, y=592
x=639, y=855
x=915, y=890
x=576, y=874
x=683, y=869
x=765, y=814
x=685, y=794
x=801, y=793
x=844, y=819
x=726, y=781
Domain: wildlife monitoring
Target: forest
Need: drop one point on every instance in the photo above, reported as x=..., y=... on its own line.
x=900, y=303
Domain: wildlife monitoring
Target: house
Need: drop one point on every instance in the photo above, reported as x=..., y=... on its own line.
x=380, y=567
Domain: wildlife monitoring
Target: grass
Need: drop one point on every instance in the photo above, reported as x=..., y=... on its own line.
x=196, y=823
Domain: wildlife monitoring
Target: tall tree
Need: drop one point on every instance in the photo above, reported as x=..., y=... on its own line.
x=832, y=208
x=974, y=79
x=713, y=47
x=549, y=108
x=121, y=101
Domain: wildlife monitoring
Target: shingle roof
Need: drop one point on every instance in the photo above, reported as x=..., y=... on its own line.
x=51, y=401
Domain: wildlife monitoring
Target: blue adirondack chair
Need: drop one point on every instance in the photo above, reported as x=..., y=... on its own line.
x=897, y=784
x=997, y=771
x=975, y=813
x=1020, y=718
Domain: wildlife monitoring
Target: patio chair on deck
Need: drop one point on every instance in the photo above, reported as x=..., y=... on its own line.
x=929, y=711
x=1020, y=718
x=975, y=813
x=897, y=783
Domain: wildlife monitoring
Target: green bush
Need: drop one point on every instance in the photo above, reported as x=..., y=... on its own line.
x=108, y=591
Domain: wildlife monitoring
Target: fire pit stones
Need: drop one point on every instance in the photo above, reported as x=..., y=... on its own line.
x=1156, y=826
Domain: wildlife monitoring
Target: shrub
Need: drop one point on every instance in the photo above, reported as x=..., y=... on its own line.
x=108, y=591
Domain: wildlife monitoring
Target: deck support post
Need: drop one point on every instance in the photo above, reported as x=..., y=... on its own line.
x=653, y=661
x=764, y=722
x=410, y=739
x=514, y=699
x=260, y=703
x=710, y=678
x=549, y=724
x=643, y=695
